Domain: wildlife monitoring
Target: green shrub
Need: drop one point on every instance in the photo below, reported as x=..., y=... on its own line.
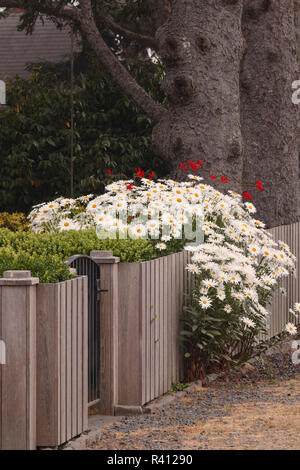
x=68, y=243
x=48, y=268
x=15, y=222
x=110, y=132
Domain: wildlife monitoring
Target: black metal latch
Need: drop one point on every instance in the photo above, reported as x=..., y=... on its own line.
x=99, y=286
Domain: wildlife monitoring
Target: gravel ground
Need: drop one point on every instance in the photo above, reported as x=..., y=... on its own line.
x=256, y=408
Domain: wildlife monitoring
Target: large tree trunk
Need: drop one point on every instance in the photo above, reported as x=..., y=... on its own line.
x=269, y=118
x=201, y=46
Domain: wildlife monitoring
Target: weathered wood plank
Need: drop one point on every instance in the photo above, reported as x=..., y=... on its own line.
x=143, y=285
x=161, y=326
x=69, y=359
x=18, y=374
x=79, y=364
x=169, y=318
x=129, y=350
x=165, y=316
x=74, y=360
x=62, y=391
x=156, y=312
x=47, y=365
x=85, y=354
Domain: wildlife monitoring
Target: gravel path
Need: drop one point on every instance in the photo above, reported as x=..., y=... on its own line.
x=258, y=408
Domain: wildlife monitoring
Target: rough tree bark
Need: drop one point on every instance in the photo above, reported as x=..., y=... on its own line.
x=118, y=72
x=201, y=46
x=270, y=121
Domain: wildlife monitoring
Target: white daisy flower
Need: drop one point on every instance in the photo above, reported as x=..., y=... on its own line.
x=193, y=268
x=248, y=322
x=209, y=282
x=205, y=302
x=250, y=207
x=137, y=230
x=235, y=279
x=254, y=249
x=270, y=281
x=250, y=294
x=68, y=224
x=204, y=291
x=161, y=246
x=221, y=295
x=291, y=328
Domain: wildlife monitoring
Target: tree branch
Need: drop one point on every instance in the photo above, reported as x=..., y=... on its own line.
x=84, y=16
x=146, y=41
x=114, y=66
x=9, y=4
x=67, y=12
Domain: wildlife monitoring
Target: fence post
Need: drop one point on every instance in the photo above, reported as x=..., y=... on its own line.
x=109, y=274
x=18, y=374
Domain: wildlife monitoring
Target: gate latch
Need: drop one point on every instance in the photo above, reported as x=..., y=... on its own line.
x=99, y=286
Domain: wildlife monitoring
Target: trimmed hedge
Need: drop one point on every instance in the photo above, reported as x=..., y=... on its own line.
x=48, y=268
x=15, y=222
x=68, y=243
x=45, y=254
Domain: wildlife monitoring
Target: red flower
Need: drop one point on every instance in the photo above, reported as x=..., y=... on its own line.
x=108, y=171
x=132, y=217
x=247, y=195
x=140, y=173
x=193, y=165
x=213, y=177
x=224, y=180
x=183, y=166
x=200, y=163
x=130, y=187
x=151, y=175
x=259, y=185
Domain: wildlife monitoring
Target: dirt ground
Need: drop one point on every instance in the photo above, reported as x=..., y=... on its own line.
x=257, y=408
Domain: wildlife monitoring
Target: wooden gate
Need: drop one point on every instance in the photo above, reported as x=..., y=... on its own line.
x=85, y=266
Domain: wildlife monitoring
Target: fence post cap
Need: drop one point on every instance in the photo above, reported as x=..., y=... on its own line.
x=101, y=254
x=17, y=274
x=104, y=257
x=15, y=278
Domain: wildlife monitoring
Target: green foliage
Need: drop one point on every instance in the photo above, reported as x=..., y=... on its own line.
x=110, y=132
x=48, y=268
x=215, y=340
x=68, y=243
x=178, y=386
x=45, y=254
x=15, y=222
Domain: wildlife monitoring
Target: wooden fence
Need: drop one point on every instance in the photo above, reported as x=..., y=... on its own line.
x=62, y=378
x=148, y=301
x=289, y=234
x=43, y=380
x=43, y=332
x=151, y=299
